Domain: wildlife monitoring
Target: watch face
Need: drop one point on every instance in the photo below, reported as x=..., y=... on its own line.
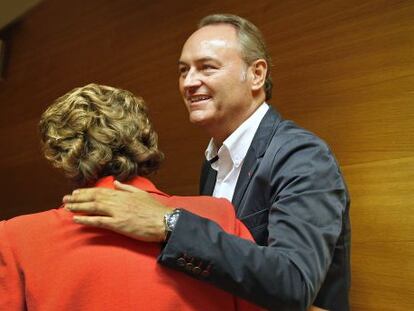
x=172, y=220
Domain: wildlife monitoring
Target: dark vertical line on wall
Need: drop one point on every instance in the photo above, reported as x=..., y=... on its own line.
x=2, y=58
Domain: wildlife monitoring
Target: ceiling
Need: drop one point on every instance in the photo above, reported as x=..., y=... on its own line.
x=11, y=10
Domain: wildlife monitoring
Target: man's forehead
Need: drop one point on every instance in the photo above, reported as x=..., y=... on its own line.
x=216, y=34
x=211, y=38
x=209, y=44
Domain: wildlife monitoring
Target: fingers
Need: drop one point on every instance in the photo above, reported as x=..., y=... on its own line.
x=94, y=221
x=120, y=186
x=87, y=195
x=90, y=208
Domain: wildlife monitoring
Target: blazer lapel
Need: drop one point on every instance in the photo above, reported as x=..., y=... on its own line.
x=207, y=179
x=250, y=164
x=261, y=140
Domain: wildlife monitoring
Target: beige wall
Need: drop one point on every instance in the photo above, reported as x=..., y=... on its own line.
x=343, y=69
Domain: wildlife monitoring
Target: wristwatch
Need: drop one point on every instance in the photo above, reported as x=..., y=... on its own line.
x=170, y=220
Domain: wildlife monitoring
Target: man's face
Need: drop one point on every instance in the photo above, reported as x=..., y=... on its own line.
x=214, y=80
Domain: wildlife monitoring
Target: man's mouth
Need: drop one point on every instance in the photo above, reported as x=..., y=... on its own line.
x=197, y=98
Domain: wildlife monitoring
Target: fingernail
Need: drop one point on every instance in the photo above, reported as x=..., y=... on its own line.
x=66, y=198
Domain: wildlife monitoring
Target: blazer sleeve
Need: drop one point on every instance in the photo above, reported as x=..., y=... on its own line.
x=307, y=202
x=220, y=211
x=11, y=283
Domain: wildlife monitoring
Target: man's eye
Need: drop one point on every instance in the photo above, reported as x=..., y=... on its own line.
x=182, y=71
x=208, y=67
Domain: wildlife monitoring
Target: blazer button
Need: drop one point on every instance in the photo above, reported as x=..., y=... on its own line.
x=196, y=270
x=181, y=262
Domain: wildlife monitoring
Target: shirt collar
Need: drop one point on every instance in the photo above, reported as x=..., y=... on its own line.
x=240, y=140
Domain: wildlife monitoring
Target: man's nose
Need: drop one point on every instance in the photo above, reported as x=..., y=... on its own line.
x=192, y=79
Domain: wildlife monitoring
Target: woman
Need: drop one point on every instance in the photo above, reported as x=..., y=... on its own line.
x=96, y=134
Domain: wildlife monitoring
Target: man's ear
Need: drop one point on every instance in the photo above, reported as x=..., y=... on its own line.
x=258, y=70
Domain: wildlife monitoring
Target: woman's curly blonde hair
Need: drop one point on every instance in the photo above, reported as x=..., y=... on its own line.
x=96, y=131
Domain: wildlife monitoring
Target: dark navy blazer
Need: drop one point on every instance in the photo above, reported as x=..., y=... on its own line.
x=293, y=198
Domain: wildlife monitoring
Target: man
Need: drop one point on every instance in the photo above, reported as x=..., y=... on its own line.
x=283, y=180
x=97, y=134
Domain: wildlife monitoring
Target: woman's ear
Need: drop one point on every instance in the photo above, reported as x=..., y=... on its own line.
x=258, y=71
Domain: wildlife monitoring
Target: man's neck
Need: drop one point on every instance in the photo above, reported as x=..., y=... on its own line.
x=221, y=134
x=222, y=131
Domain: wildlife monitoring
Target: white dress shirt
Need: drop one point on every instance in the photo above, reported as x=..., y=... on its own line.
x=232, y=153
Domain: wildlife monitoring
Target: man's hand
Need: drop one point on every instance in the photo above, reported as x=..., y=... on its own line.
x=128, y=211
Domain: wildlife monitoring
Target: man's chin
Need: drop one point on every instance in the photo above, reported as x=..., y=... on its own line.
x=198, y=119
